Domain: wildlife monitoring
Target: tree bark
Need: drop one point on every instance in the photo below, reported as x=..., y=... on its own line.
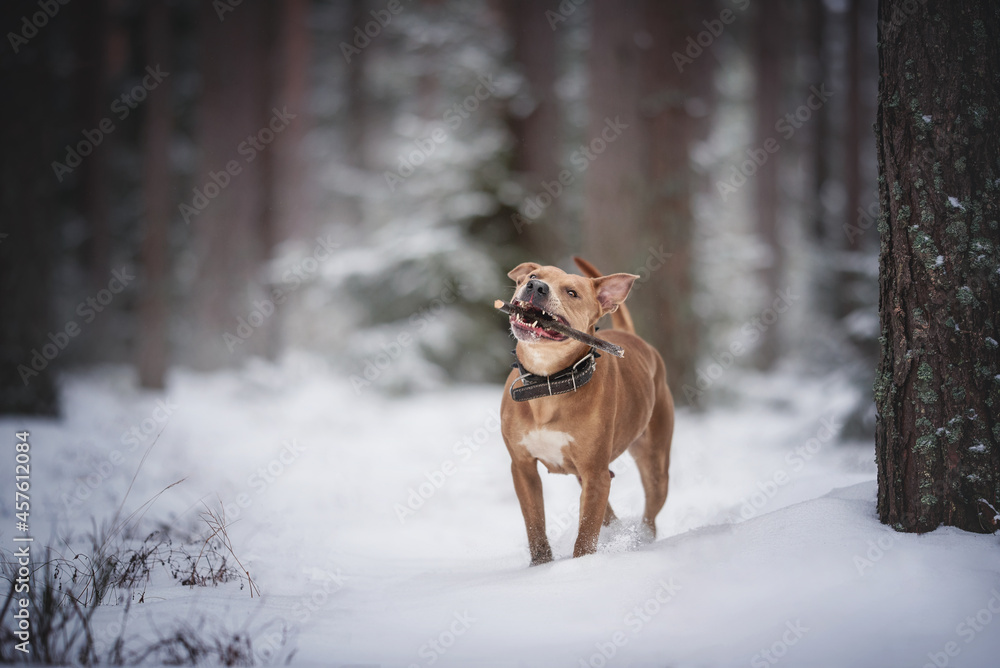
x=937, y=390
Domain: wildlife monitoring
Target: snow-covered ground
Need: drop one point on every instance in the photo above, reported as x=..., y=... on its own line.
x=385, y=531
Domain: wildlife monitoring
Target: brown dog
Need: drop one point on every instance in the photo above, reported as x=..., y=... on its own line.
x=590, y=411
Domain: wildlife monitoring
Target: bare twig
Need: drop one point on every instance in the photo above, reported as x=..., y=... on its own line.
x=555, y=325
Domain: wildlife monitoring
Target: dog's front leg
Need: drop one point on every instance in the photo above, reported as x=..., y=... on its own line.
x=528, y=485
x=593, y=505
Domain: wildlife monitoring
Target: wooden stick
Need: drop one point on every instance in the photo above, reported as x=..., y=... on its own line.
x=555, y=325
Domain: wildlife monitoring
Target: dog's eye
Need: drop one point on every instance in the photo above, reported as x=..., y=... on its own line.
x=532, y=276
x=572, y=293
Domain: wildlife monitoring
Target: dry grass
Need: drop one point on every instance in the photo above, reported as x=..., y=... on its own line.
x=67, y=591
x=217, y=538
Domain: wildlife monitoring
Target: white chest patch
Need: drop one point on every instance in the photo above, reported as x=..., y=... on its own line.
x=547, y=445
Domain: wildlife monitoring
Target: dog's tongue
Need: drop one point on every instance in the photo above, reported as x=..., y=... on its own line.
x=538, y=328
x=535, y=320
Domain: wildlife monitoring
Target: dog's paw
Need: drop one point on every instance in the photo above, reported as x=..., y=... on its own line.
x=542, y=557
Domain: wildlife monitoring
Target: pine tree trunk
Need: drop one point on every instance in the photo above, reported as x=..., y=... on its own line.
x=28, y=242
x=637, y=210
x=292, y=178
x=938, y=385
x=852, y=155
x=820, y=125
x=231, y=307
x=770, y=35
x=152, y=337
x=358, y=104
x=93, y=28
x=534, y=117
x=667, y=284
x=824, y=288
x=853, y=175
x=614, y=179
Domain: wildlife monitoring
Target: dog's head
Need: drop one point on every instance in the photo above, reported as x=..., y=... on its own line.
x=574, y=300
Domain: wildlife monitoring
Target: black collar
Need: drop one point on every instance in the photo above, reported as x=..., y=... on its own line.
x=569, y=379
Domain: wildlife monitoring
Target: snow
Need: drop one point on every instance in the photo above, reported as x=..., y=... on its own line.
x=385, y=531
x=955, y=203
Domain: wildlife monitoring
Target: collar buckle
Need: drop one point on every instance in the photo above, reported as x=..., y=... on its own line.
x=570, y=379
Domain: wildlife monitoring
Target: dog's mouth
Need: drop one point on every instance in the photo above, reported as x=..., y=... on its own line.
x=531, y=326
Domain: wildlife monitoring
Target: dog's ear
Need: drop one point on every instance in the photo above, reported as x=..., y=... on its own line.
x=613, y=289
x=588, y=269
x=522, y=270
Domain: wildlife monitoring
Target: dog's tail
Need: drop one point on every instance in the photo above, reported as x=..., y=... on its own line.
x=620, y=319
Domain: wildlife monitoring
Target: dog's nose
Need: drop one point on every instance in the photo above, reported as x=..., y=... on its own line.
x=536, y=287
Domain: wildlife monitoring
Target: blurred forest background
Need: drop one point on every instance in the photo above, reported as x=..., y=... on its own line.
x=200, y=183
